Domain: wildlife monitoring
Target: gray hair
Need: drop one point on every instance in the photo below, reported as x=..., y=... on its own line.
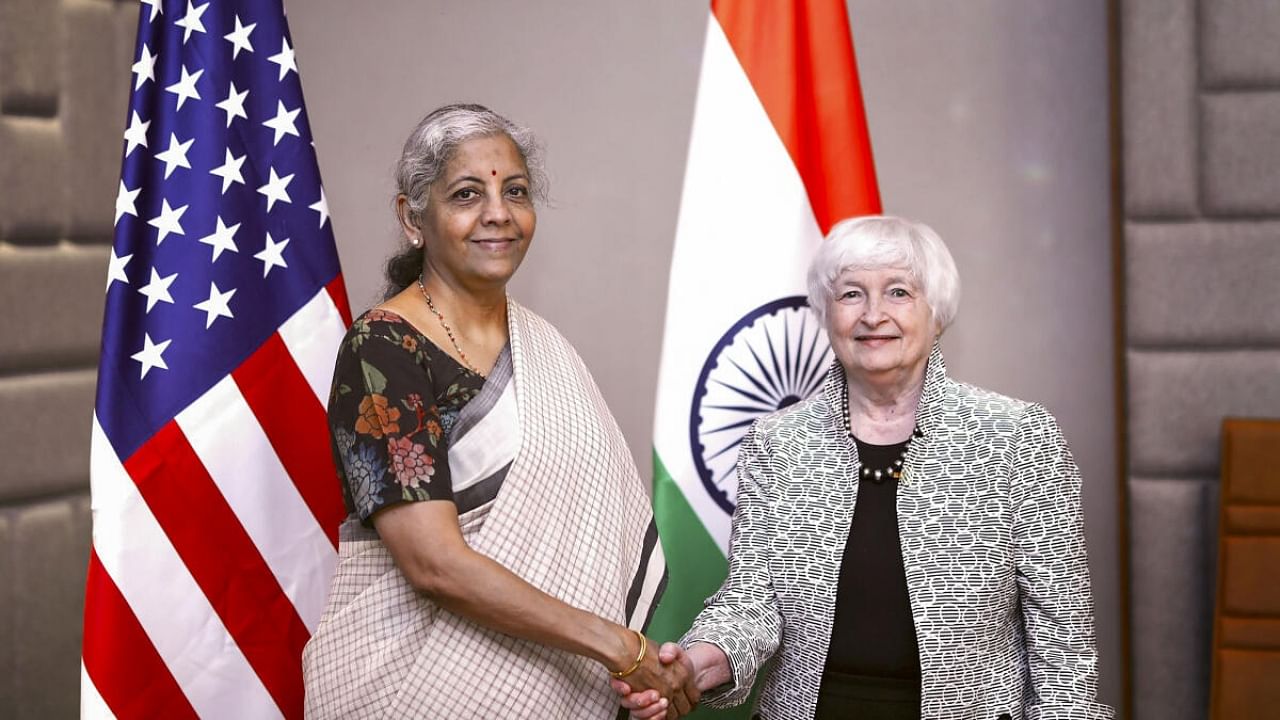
x=880, y=241
x=432, y=143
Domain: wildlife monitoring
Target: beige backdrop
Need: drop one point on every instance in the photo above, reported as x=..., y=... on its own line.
x=988, y=120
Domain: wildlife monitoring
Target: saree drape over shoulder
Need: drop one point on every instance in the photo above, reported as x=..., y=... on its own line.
x=546, y=486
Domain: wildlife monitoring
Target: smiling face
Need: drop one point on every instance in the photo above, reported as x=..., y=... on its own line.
x=880, y=326
x=479, y=217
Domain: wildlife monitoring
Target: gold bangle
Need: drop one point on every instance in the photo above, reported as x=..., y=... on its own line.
x=644, y=649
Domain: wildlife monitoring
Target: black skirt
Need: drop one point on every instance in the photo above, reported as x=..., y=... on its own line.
x=864, y=697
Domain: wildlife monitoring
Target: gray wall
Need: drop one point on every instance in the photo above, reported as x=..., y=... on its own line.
x=988, y=119
x=1201, y=105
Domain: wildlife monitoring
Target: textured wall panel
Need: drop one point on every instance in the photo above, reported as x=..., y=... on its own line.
x=1189, y=283
x=30, y=51
x=1177, y=401
x=1158, y=80
x=1242, y=153
x=1171, y=560
x=93, y=113
x=8, y=595
x=33, y=204
x=1240, y=41
x=51, y=551
x=46, y=428
x=62, y=287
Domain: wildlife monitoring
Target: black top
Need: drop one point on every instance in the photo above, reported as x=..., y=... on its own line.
x=395, y=398
x=873, y=633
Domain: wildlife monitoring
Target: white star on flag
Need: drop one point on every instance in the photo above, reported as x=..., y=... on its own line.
x=234, y=104
x=191, y=21
x=216, y=306
x=125, y=201
x=275, y=189
x=135, y=134
x=168, y=221
x=186, y=87
x=222, y=238
x=284, y=59
x=283, y=123
x=145, y=68
x=239, y=39
x=175, y=156
x=272, y=255
x=155, y=8
x=151, y=355
x=321, y=206
x=229, y=171
x=115, y=268
x=157, y=289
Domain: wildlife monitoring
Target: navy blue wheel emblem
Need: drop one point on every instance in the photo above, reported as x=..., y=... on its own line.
x=775, y=356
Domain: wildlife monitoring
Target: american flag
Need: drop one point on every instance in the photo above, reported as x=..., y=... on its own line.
x=215, y=504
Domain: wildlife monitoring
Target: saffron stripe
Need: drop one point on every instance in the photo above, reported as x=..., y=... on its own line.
x=260, y=493
x=799, y=58
x=223, y=561
x=295, y=423
x=125, y=669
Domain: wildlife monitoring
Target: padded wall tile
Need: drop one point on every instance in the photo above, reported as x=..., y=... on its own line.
x=1191, y=283
x=1158, y=80
x=95, y=98
x=1250, y=566
x=1241, y=153
x=1171, y=596
x=1177, y=401
x=1238, y=43
x=49, y=554
x=1249, y=687
x=33, y=205
x=46, y=426
x=30, y=49
x=53, y=299
x=8, y=591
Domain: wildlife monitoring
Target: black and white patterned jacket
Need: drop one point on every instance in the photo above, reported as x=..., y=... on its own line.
x=992, y=537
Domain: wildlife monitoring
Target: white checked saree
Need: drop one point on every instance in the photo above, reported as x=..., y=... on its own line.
x=546, y=486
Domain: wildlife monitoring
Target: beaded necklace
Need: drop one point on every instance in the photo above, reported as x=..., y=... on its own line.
x=449, y=331
x=879, y=475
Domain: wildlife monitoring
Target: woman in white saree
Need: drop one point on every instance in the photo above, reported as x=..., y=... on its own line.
x=500, y=558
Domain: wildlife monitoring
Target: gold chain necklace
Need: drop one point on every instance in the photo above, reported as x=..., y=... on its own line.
x=447, y=330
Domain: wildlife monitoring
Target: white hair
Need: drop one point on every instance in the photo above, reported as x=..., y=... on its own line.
x=879, y=241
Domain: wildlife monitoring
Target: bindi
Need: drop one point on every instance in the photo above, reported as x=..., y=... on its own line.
x=493, y=173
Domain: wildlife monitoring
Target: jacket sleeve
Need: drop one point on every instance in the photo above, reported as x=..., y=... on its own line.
x=1053, y=574
x=742, y=617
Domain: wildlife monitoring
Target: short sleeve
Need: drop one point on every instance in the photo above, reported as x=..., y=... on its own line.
x=384, y=422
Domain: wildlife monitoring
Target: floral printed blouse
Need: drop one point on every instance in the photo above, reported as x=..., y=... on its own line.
x=395, y=397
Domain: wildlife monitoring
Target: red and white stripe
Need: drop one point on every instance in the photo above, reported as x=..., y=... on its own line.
x=214, y=543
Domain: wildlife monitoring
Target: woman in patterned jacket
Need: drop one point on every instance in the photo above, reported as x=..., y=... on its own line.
x=904, y=545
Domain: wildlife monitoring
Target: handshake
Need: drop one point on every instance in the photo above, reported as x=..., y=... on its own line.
x=669, y=682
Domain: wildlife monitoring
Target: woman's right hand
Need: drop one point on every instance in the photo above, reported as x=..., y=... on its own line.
x=646, y=701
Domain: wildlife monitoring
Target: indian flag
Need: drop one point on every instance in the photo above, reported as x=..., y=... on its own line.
x=778, y=154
